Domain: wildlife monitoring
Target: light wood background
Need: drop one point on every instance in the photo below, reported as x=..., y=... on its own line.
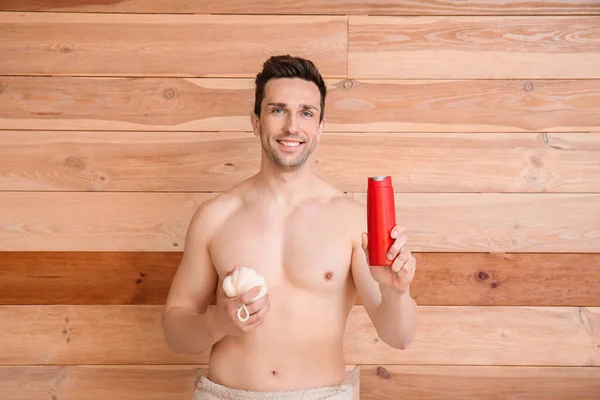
x=118, y=118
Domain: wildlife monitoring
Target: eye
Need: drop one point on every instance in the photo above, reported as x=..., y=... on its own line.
x=307, y=114
x=277, y=110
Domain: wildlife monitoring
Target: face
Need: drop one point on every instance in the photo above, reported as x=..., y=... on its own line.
x=288, y=126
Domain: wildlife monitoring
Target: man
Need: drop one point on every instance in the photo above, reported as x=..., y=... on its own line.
x=307, y=239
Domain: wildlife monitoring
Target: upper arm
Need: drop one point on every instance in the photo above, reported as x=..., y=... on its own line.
x=367, y=287
x=195, y=280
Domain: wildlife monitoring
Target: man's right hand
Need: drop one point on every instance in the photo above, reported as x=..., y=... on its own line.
x=227, y=311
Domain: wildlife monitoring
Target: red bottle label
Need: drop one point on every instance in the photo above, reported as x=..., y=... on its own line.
x=381, y=219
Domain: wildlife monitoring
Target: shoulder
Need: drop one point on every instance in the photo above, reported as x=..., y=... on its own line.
x=348, y=208
x=352, y=215
x=211, y=213
x=222, y=205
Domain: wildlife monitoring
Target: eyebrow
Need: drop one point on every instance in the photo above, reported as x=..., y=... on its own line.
x=303, y=106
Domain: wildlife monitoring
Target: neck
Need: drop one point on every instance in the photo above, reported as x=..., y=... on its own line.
x=285, y=185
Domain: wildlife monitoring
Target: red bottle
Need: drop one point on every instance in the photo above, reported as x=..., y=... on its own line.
x=381, y=218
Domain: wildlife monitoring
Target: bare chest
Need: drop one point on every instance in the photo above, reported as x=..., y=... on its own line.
x=309, y=248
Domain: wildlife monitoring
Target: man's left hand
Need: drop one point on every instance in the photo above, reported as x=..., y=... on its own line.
x=399, y=276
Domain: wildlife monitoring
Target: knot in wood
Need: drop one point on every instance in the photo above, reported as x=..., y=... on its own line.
x=348, y=84
x=169, y=93
x=383, y=372
x=484, y=275
x=75, y=163
x=528, y=86
x=66, y=48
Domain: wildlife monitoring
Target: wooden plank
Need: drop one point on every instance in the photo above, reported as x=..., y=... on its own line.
x=127, y=161
x=86, y=277
x=115, y=382
x=216, y=161
x=125, y=104
x=435, y=162
x=165, y=45
x=485, y=336
x=345, y=7
x=96, y=221
x=443, y=279
x=522, y=47
x=170, y=104
x=381, y=382
x=499, y=222
x=466, y=106
x=391, y=382
x=60, y=335
x=435, y=222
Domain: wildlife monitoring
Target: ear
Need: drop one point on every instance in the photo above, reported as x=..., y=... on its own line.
x=320, y=130
x=254, y=120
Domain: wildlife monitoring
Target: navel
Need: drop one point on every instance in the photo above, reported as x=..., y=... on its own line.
x=273, y=373
x=328, y=275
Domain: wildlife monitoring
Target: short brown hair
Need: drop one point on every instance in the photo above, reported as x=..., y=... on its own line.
x=286, y=66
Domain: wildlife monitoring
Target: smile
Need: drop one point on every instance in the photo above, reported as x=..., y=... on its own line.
x=290, y=144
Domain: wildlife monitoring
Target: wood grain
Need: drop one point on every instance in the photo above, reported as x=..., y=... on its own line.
x=381, y=382
x=115, y=382
x=165, y=45
x=344, y=7
x=96, y=221
x=391, y=382
x=435, y=222
x=473, y=47
x=125, y=104
x=177, y=104
x=86, y=277
x=466, y=106
x=442, y=279
x=127, y=161
x=61, y=335
x=216, y=161
x=499, y=222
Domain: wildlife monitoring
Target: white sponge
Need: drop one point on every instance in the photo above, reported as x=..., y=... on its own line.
x=242, y=280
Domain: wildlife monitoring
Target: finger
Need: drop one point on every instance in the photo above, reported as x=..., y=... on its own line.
x=396, y=247
x=258, y=304
x=365, y=241
x=411, y=265
x=400, y=261
x=242, y=314
x=258, y=318
x=231, y=272
x=397, y=231
x=245, y=298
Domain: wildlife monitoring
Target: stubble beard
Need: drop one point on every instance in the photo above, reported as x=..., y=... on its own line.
x=289, y=164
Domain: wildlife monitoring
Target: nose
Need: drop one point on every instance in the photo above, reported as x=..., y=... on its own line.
x=292, y=123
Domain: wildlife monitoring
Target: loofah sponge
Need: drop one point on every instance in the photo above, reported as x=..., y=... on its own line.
x=239, y=282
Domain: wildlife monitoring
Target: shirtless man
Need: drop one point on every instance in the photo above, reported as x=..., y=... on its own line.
x=306, y=238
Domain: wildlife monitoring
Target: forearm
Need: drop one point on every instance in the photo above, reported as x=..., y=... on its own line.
x=396, y=318
x=189, y=332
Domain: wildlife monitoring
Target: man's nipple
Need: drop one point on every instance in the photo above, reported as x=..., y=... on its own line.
x=328, y=275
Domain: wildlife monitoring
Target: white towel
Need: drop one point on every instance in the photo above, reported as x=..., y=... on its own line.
x=209, y=390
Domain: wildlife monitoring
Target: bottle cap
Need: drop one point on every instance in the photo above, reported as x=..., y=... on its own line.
x=380, y=181
x=379, y=178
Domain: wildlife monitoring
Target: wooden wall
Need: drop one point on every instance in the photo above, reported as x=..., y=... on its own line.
x=119, y=117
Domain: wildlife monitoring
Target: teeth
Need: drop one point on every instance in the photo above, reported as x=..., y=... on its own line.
x=291, y=144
